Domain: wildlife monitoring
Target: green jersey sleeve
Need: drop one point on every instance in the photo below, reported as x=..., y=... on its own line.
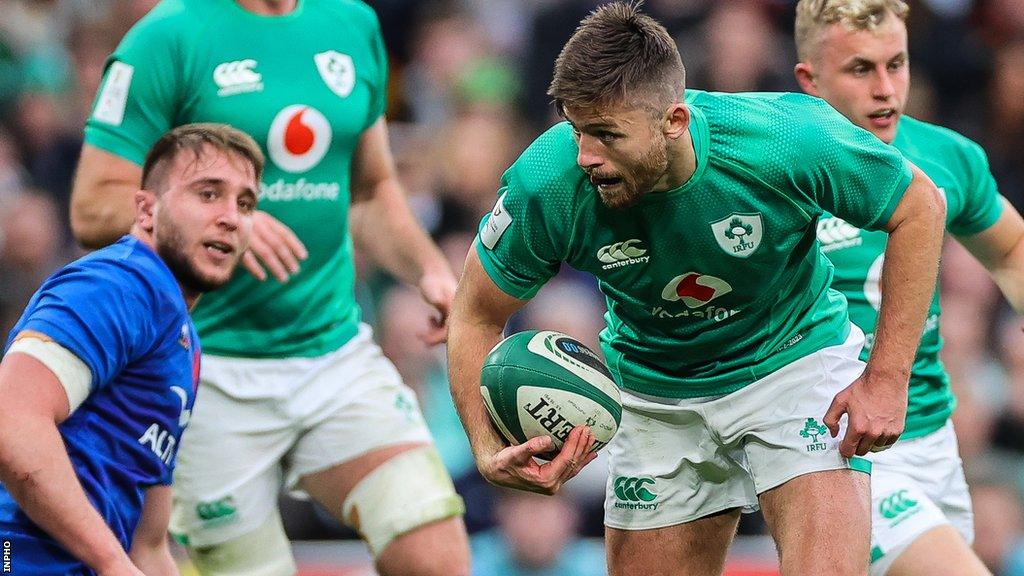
x=514, y=246
x=847, y=170
x=379, y=100
x=983, y=204
x=139, y=94
x=524, y=239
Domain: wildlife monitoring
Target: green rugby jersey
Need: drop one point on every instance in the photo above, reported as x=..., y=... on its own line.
x=305, y=85
x=718, y=282
x=960, y=169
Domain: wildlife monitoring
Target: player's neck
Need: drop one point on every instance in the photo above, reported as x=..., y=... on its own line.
x=268, y=7
x=682, y=163
x=190, y=296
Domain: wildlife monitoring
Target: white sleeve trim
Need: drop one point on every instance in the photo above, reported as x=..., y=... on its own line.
x=71, y=372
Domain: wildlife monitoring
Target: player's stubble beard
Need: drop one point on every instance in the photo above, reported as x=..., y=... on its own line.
x=638, y=182
x=170, y=246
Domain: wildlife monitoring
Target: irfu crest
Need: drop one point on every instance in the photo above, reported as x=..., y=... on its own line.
x=739, y=234
x=337, y=70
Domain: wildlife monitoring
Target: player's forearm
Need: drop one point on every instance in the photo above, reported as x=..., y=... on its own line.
x=384, y=227
x=1008, y=274
x=468, y=345
x=907, y=284
x=35, y=468
x=154, y=560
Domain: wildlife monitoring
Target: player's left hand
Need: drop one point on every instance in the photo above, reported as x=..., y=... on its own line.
x=876, y=410
x=438, y=289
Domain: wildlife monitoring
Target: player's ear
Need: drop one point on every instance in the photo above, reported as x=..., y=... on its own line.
x=145, y=207
x=805, y=77
x=677, y=120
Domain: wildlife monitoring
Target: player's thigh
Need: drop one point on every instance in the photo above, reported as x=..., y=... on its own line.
x=778, y=420
x=403, y=504
x=228, y=473
x=356, y=414
x=368, y=457
x=821, y=522
x=918, y=491
x=696, y=548
x=331, y=487
x=263, y=551
x=667, y=468
x=941, y=551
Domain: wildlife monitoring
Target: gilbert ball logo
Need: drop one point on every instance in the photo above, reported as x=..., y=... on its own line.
x=299, y=138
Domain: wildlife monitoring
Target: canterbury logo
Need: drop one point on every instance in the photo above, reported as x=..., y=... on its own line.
x=834, y=233
x=223, y=508
x=632, y=489
x=622, y=254
x=895, y=504
x=620, y=251
x=237, y=76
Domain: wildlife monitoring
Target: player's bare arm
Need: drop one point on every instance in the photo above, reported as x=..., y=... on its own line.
x=384, y=227
x=1000, y=248
x=150, y=550
x=479, y=315
x=877, y=401
x=102, y=206
x=35, y=468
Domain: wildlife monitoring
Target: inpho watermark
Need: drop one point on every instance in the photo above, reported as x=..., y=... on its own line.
x=7, y=556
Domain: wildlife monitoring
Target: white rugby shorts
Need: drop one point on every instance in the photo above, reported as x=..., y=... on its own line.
x=259, y=424
x=676, y=460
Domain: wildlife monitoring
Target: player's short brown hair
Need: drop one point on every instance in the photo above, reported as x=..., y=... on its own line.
x=814, y=16
x=193, y=137
x=618, y=56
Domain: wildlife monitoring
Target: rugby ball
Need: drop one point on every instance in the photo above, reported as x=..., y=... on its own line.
x=541, y=382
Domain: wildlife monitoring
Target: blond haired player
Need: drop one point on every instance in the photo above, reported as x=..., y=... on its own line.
x=853, y=53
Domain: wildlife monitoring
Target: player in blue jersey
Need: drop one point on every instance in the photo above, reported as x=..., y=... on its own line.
x=99, y=375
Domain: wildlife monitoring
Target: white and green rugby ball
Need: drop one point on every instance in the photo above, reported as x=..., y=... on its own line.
x=542, y=382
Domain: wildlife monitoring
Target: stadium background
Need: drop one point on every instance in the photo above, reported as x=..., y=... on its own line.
x=467, y=93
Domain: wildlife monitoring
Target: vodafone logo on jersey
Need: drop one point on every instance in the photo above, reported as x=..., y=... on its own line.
x=299, y=137
x=695, y=289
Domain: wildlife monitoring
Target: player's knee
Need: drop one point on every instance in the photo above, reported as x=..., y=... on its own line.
x=410, y=490
x=264, y=551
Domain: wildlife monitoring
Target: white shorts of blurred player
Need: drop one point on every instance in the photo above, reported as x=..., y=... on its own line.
x=675, y=460
x=916, y=485
x=262, y=424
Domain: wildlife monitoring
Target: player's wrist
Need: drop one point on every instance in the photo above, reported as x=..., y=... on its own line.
x=114, y=562
x=485, y=446
x=886, y=375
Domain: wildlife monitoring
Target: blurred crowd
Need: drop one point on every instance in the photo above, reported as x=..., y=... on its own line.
x=467, y=93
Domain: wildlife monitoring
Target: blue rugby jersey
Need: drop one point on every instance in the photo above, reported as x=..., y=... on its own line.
x=121, y=311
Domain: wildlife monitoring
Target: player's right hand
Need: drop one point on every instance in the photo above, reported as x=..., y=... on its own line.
x=274, y=246
x=876, y=411
x=515, y=467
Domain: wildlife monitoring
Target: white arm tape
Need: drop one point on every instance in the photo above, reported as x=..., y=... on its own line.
x=71, y=372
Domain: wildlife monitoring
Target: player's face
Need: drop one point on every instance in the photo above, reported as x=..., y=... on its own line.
x=203, y=220
x=621, y=149
x=864, y=74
